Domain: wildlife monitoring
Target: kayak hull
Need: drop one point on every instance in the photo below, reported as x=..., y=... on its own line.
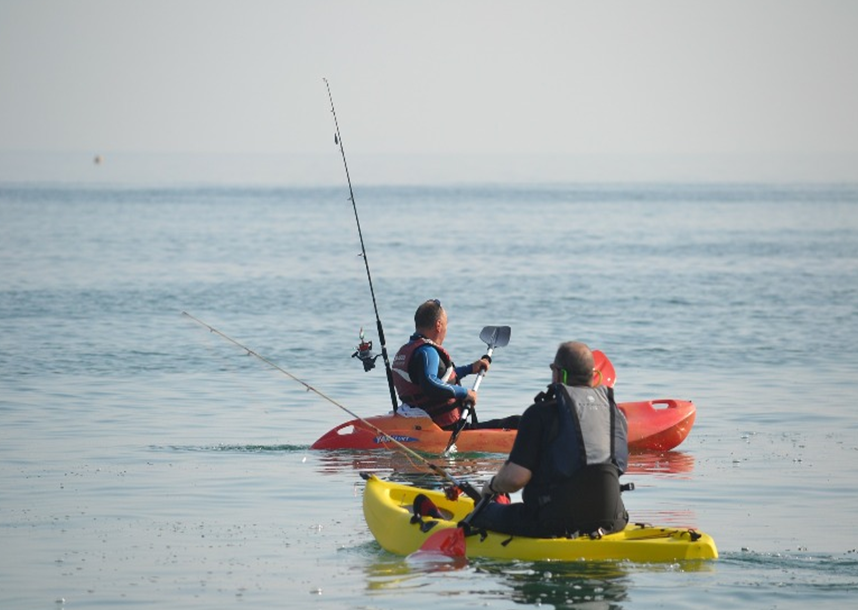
x=388, y=512
x=654, y=425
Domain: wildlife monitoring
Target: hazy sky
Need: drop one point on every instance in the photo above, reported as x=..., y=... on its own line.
x=591, y=77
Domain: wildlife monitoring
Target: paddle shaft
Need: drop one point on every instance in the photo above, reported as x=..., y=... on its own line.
x=384, y=356
x=463, y=485
x=483, y=372
x=493, y=336
x=481, y=504
x=461, y=427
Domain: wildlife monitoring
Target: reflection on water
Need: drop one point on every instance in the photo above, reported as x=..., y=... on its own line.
x=661, y=462
x=585, y=584
x=595, y=585
x=401, y=467
x=684, y=518
x=561, y=585
x=388, y=572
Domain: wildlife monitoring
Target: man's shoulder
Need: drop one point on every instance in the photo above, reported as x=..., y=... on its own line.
x=545, y=399
x=541, y=408
x=425, y=348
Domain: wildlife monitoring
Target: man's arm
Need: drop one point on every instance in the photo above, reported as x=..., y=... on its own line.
x=427, y=362
x=523, y=459
x=509, y=479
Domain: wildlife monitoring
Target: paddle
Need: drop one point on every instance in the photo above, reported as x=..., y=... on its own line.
x=447, y=542
x=492, y=336
x=451, y=542
x=604, y=373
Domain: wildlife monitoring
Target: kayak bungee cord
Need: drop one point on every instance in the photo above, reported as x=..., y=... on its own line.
x=368, y=363
x=466, y=487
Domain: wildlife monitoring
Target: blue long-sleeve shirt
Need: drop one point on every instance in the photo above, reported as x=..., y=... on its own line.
x=427, y=362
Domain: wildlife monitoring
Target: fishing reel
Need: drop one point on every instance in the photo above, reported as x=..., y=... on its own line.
x=364, y=353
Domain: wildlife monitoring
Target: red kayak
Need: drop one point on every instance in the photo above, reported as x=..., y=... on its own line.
x=654, y=425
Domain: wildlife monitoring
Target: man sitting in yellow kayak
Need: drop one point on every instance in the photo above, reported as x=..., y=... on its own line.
x=569, y=452
x=426, y=379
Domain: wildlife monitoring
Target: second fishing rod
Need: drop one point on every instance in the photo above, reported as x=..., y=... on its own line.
x=464, y=486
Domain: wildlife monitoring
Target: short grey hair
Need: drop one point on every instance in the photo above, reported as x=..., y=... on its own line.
x=577, y=360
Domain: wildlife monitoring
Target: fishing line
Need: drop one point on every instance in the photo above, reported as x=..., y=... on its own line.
x=463, y=485
x=339, y=141
x=241, y=374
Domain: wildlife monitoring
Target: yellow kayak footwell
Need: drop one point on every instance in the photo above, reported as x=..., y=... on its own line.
x=388, y=512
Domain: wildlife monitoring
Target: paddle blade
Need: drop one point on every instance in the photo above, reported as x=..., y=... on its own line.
x=604, y=374
x=448, y=542
x=495, y=336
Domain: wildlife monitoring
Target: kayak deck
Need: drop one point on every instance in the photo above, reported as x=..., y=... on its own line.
x=388, y=512
x=654, y=425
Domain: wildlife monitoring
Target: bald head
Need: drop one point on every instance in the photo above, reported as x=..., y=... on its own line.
x=577, y=360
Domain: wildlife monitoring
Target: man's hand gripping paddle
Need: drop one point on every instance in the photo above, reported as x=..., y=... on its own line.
x=492, y=336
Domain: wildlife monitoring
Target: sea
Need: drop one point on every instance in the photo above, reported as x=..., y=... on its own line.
x=149, y=462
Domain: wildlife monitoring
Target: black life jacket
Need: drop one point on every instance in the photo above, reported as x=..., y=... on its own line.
x=442, y=412
x=590, y=432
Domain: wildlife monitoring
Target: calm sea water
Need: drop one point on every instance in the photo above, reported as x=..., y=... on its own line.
x=145, y=462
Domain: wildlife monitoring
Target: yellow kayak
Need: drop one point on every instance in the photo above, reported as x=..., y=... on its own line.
x=388, y=510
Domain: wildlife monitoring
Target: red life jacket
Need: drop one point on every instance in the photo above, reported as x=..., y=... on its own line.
x=443, y=412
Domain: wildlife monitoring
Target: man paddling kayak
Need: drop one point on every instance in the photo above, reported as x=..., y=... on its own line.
x=427, y=380
x=569, y=451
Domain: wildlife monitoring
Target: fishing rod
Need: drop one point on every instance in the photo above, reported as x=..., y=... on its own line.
x=466, y=487
x=363, y=350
